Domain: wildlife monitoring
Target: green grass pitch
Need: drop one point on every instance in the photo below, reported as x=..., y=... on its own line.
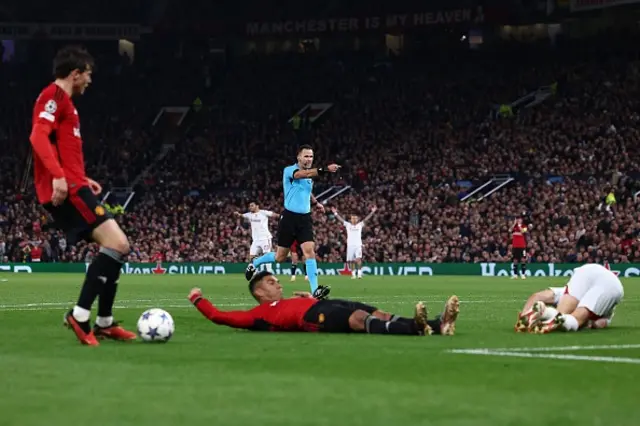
x=211, y=375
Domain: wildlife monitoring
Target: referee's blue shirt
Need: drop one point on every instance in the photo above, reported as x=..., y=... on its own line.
x=297, y=192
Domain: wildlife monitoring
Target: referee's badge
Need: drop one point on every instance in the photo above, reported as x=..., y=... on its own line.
x=99, y=211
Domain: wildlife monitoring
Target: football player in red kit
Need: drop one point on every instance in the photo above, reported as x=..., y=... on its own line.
x=519, y=248
x=306, y=313
x=72, y=198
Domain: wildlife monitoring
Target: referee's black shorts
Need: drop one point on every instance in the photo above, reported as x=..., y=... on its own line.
x=294, y=227
x=332, y=315
x=78, y=215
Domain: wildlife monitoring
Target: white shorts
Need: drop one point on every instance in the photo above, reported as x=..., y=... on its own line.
x=596, y=289
x=260, y=247
x=354, y=253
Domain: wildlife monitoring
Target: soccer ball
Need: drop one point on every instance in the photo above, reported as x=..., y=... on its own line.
x=155, y=325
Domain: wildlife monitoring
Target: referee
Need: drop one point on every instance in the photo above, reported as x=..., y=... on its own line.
x=295, y=222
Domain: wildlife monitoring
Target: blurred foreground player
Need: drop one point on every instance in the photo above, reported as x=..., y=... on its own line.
x=71, y=198
x=306, y=313
x=587, y=301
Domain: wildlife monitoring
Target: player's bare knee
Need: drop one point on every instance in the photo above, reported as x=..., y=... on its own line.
x=357, y=320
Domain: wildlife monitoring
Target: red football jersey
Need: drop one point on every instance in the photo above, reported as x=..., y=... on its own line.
x=518, y=240
x=283, y=315
x=55, y=109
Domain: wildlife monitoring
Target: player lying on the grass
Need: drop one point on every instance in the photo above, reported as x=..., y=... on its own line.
x=305, y=313
x=587, y=301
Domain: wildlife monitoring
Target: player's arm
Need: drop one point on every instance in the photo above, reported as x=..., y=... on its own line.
x=243, y=215
x=547, y=296
x=315, y=172
x=373, y=210
x=39, y=138
x=269, y=213
x=235, y=319
x=318, y=204
x=340, y=218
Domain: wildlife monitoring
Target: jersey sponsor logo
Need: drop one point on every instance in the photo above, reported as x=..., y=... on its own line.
x=51, y=106
x=76, y=132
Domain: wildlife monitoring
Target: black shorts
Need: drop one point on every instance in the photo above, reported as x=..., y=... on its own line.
x=294, y=227
x=78, y=215
x=332, y=315
x=518, y=254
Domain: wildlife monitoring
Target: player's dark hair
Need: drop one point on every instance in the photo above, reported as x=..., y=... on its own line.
x=71, y=58
x=303, y=147
x=256, y=279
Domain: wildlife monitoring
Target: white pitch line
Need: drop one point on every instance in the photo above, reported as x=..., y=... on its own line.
x=562, y=348
x=609, y=359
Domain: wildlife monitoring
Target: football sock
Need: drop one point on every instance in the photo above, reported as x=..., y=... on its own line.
x=97, y=277
x=304, y=269
x=294, y=267
x=570, y=322
x=523, y=268
x=265, y=258
x=434, y=323
x=548, y=313
x=514, y=268
x=312, y=269
x=374, y=325
x=109, y=263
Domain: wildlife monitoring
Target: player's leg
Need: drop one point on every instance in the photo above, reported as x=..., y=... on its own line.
x=294, y=264
x=523, y=265
x=83, y=213
x=286, y=237
x=253, y=251
x=305, y=237
x=358, y=256
x=597, y=303
x=114, y=247
x=350, y=261
x=514, y=265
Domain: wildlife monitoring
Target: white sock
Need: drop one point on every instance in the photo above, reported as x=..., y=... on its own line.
x=570, y=322
x=360, y=272
x=81, y=314
x=549, y=312
x=353, y=273
x=104, y=321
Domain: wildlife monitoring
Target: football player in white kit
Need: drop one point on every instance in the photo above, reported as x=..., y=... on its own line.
x=587, y=301
x=354, y=241
x=260, y=235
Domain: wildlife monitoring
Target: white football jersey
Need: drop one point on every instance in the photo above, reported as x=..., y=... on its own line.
x=259, y=224
x=354, y=233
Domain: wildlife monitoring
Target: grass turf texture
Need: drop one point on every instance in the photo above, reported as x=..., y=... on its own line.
x=214, y=375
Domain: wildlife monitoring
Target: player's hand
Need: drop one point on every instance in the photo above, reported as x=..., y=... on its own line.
x=60, y=191
x=320, y=207
x=237, y=214
x=373, y=209
x=94, y=186
x=195, y=293
x=303, y=294
x=334, y=210
x=333, y=168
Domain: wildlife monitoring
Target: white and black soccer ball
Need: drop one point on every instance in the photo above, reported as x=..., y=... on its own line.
x=155, y=325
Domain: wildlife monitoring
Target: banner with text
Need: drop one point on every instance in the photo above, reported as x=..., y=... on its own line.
x=387, y=269
x=367, y=23
x=21, y=31
x=586, y=5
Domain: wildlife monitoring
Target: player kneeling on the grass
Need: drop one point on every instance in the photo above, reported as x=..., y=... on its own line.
x=587, y=301
x=306, y=313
